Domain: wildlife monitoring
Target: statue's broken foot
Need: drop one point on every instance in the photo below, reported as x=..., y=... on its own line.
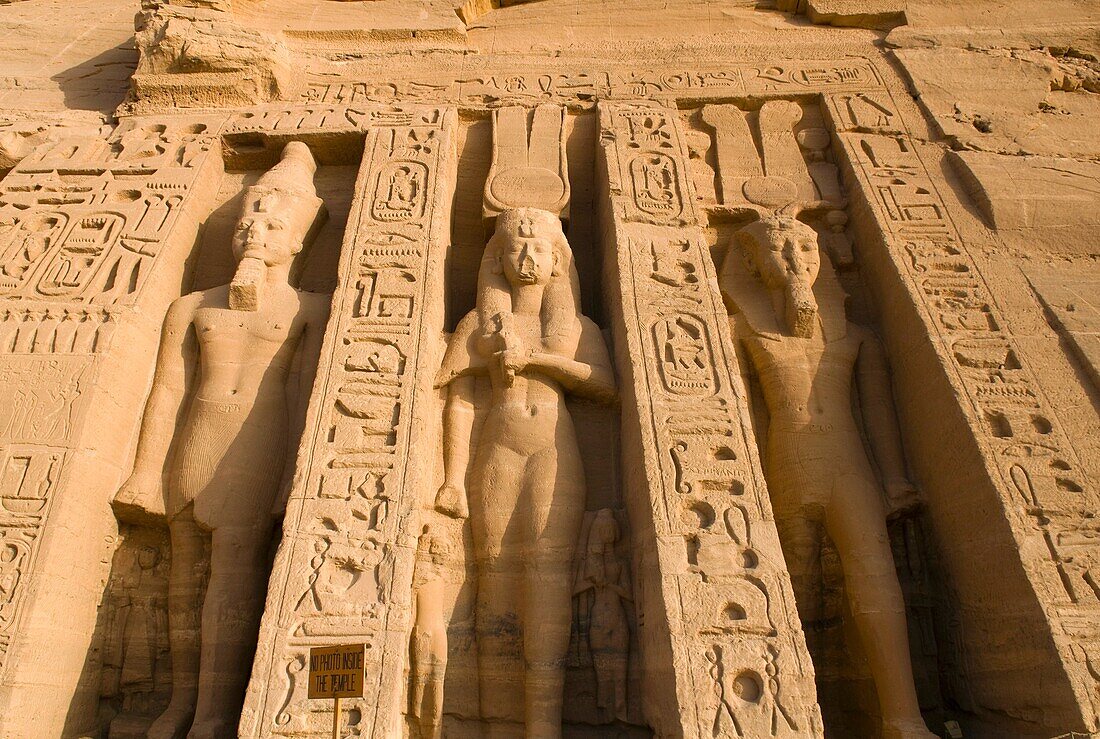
x=906, y=729
x=173, y=723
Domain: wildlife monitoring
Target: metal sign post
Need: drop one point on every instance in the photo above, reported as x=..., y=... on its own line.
x=336, y=672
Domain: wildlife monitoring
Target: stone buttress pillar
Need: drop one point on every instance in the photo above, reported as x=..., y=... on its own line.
x=343, y=573
x=94, y=235
x=723, y=647
x=1013, y=510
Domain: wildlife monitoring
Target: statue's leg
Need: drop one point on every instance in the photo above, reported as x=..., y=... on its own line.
x=185, y=579
x=494, y=498
x=800, y=533
x=555, y=487
x=230, y=624
x=856, y=521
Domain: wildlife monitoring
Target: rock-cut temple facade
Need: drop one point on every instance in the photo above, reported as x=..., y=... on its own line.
x=589, y=368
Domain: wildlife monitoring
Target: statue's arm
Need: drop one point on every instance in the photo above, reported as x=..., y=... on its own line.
x=758, y=412
x=299, y=389
x=589, y=374
x=880, y=419
x=142, y=494
x=622, y=589
x=458, y=373
x=310, y=352
x=458, y=427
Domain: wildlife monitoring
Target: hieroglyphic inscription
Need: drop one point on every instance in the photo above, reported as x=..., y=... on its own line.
x=82, y=221
x=584, y=87
x=343, y=559
x=730, y=604
x=29, y=474
x=299, y=119
x=54, y=329
x=1034, y=466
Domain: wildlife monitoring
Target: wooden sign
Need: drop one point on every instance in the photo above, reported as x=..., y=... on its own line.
x=336, y=672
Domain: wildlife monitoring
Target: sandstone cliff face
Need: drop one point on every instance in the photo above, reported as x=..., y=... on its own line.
x=201, y=56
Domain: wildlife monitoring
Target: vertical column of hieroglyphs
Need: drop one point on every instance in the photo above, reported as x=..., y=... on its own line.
x=93, y=235
x=1049, y=503
x=344, y=571
x=719, y=622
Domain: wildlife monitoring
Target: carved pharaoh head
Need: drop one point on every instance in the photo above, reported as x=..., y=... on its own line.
x=530, y=248
x=782, y=252
x=280, y=210
x=780, y=249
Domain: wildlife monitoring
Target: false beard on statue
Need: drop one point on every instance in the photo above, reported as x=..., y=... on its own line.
x=800, y=308
x=247, y=284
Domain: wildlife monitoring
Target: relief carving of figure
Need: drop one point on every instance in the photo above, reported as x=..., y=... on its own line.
x=404, y=188
x=234, y=372
x=12, y=560
x=792, y=328
x=428, y=644
x=521, y=480
x=31, y=247
x=605, y=578
x=136, y=646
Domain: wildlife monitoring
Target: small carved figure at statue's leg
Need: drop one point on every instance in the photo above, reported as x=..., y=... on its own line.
x=856, y=521
x=230, y=622
x=429, y=653
x=185, y=582
x=611, y=676
x=618, y=670
x=428, y=645
x=556, y=498
x=494, y=497
x=605, y=681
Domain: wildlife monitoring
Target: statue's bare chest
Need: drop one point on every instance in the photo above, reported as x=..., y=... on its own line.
x=794, y=370
x=801, y=355
x=246, y=335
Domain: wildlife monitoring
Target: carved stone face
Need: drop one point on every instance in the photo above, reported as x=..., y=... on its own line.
x=528, y=260
x=147, y=557
x=271, y=229
x=785, y=252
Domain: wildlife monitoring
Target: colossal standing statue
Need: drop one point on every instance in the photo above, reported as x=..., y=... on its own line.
x=528, y=342
x=234, y=371
x=805, y=354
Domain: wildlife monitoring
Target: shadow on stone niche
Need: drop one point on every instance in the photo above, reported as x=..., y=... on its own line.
x=127, y=678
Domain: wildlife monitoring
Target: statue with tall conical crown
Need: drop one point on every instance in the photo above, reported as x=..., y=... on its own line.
x=234, y=371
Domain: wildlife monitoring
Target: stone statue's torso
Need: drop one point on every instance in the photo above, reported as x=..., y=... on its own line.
x=245, y=355
x=238, y=410
x=807, y=383
x=813, y=441
x=526, y=414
